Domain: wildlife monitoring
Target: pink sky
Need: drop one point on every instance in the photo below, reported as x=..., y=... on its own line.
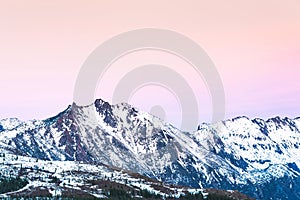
x=255, y=46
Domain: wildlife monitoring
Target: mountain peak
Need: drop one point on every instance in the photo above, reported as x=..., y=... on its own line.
x=239, y=153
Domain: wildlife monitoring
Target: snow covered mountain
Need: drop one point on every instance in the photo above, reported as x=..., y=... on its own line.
x=259, y=158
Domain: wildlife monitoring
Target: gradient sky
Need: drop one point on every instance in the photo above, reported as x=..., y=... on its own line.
x=255, y=46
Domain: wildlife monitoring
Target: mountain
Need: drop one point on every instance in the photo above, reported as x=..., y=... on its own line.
x=256, y=157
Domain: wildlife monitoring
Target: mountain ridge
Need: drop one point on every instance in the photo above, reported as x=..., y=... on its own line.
x=239, y=153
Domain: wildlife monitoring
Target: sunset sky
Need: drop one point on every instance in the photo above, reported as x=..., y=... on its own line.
x=255, y=46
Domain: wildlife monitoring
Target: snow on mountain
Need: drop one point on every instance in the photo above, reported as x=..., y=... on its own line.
x=257, y=139
x=9, y=123
x=259, y=143
x=262, y=152
x=57, y=177
x=72, y=179
x=243, y=154
x=55, y=138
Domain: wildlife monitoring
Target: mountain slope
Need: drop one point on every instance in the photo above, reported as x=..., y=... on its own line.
x=243, y=154
x=27, y=177
x=265, y=152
